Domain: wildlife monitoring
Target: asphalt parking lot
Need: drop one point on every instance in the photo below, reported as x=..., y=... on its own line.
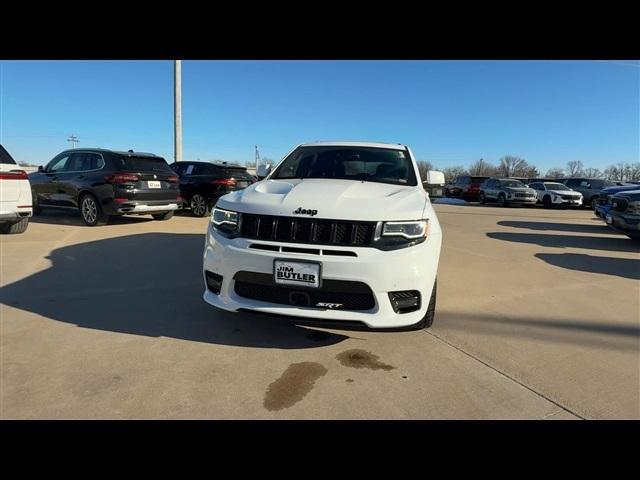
x=537, y=318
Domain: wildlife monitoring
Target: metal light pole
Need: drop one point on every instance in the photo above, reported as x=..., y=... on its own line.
x=177, y=110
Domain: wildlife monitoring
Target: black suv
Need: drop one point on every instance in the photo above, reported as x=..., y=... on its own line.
x=202, y=183
x=103, y=183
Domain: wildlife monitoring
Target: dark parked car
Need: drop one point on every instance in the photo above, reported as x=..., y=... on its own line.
x=466, y=187
x=624, y=214
x=604, y=199
x=202, y=183
x=588, y=187
x=103, y=183
x=507, y=191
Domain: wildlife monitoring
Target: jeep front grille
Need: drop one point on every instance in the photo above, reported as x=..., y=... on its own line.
x=620, y=204
x=304, y=230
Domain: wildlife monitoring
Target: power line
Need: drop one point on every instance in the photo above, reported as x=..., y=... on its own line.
x=73, y=139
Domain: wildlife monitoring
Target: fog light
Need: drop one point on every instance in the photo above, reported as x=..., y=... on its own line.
x=214, y=282
x=405, y=301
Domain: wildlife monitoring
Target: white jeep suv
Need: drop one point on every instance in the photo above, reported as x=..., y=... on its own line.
x=15, y=195
x=337, y=231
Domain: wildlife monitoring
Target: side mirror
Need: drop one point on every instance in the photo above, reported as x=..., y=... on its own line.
x=263, y=170
x=435, y=177
x=40, y=168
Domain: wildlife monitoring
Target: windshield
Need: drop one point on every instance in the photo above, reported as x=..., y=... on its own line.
x=349, y=163
x=512, y=183
x=555, y=186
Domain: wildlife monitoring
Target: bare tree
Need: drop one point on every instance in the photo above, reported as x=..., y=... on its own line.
x=615, y=172
x=623, y=172
x=555, y=173
x=451, y=172
x=481, y=168
x=423, y=168
x=575, y=168
x=510, y=165
x=592, y=173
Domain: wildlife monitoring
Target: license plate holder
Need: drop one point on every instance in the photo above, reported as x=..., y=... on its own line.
x=154, y=184
x=609, y=219
x=299, y=273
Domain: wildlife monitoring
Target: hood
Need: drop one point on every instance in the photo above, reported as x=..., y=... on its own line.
x=331, y=199
x=612, y=190
x=565, y=192
x=629, y=195
x=519, y=189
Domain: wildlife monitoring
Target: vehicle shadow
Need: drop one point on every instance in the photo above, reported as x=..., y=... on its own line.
x=580, y=332
x=148, y=284
x=619, y=267
x=559, y=227
x=72, y=217
x=621, y=244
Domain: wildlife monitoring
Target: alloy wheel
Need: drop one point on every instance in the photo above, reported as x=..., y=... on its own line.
x=89, y=210
x=198, y=205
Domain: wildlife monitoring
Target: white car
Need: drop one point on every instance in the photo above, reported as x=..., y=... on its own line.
x=15, y=195
x=555, y=193
x=337, y=231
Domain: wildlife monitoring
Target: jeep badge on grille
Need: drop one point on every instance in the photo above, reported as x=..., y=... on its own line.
x=302, y=211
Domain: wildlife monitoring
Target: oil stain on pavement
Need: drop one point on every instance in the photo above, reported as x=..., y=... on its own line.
x=293, y=385
x=357, y=358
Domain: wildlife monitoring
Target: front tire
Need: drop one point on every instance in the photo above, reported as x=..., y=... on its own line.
x=163, y=216
x=15, y=227
x=199, y=206
x=481, y=198
x=502, y=200
x=428, y=318
x=594, y=203
x=91, y=211
x=546, y=202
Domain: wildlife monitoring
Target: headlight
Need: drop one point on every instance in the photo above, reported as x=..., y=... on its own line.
x=409, y=230
x=225, y=221
x=394, y=235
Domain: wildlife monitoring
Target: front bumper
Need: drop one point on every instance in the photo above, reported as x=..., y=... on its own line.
x=625, y=223
x=411, y=268
x=573, y=202
x=602, y=210
x=522, y=201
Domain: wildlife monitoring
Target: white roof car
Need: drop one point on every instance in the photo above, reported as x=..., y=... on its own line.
x=15, y=195
x=336, y=231
x=556, y=193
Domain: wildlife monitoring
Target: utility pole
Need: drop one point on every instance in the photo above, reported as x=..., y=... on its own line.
x=257, y=157
x=73, y=139
x=177, y=109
